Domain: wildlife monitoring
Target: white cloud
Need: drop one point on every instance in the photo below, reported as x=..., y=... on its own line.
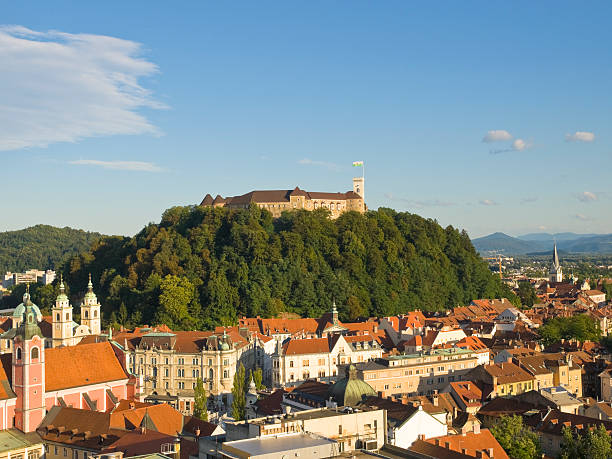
x=62, y=87
x=498, y=135
x=139, y=166
x=519, y=145
x=488, y=202
x=580, y=136
x=587, y=196
x=326, y=164
x=582, y=217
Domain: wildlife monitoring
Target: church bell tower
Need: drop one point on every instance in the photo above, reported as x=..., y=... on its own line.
x=62, y=319
x=90, y=310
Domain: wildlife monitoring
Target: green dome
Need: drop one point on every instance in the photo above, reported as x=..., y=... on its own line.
x=350, y=390
x=20, y=310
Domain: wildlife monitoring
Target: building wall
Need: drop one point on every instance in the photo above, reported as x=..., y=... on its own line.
x=176, y=373
x=606, y=387
x=420, y=378
x=421, y=423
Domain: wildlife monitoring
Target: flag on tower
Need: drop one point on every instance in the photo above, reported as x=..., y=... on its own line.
x=357, y=163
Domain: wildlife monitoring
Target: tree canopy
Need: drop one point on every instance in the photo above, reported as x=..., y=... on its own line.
x=591, y=443
x=41, y=247
x=201, y=267
x=580, y=327
x=518, y=440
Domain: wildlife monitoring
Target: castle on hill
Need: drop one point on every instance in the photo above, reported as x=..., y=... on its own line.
x=278, y=201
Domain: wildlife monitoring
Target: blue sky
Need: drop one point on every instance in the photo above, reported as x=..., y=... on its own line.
x=115, y=111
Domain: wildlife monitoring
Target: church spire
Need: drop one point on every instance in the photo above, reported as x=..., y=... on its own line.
x=90, y=285
x=555, y=257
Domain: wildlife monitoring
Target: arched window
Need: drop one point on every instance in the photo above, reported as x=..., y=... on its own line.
x=67, y=316
x=211, y=374
x=57, y=317
x=34, y=353
x=86, y=314
x=18, y=353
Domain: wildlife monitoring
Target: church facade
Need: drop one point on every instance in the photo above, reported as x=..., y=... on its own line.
x=556, y=272
x=278, y=201
x=34, y=378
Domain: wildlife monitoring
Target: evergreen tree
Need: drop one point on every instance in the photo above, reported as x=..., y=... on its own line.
x=239, y=394
x=200, y=408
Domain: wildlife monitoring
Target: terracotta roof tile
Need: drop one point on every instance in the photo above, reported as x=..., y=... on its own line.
x=471, y=442
x=74, y=366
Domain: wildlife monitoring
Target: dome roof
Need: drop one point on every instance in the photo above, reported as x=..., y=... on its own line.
x=20, y=310
x=350, y=390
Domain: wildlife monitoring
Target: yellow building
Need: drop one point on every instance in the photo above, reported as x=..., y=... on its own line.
x=278, y=201
x=504, y=378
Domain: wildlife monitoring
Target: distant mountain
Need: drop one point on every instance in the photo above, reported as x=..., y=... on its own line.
x=502, y=243
x=553, y=237
x=541, y=243
x=41, y=247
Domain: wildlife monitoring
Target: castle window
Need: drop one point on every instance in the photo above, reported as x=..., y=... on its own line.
x=34, y=353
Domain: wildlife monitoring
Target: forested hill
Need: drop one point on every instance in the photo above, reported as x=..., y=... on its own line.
x=41, y=247
x=202, y=267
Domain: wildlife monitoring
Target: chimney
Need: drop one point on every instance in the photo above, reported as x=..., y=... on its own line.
x=435, y=400
x=490, y=450
x=476, y=428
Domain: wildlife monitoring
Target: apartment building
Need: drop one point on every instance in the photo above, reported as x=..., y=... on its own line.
x=171, y=362
x=352, y=429
x=417, y=374
x=502, y=379
x=298, y=360
x=553, y=370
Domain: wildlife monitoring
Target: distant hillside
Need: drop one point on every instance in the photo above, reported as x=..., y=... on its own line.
x=500, y=242
x=548, y=237
x=41, y=247
x=542, y=243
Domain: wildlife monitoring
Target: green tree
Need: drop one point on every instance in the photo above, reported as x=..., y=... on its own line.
x=518, y=440
x=257, y=376
x=239, y=394
x=200, y=408
x=581, y=327
x=176, y=295
x=527, y=294
x=586, y=443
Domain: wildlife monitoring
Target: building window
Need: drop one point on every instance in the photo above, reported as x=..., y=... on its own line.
x=290, y=363
x=305, y=363
x=225, y=374
x=18, y=353
x=65, y=452
x=225, y=362
x=210, y=362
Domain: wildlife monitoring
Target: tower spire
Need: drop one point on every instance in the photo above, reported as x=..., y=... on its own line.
x=89, y=284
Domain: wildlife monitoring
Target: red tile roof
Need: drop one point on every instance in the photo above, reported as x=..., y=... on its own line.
x=471, y=443
x=75, y=366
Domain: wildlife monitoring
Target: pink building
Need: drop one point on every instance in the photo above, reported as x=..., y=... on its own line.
x=34, y=379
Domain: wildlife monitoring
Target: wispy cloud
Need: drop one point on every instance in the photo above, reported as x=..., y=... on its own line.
x=498, y=135
x=62, y=87
x=582, y=217
x=587, y=196
x=529, y=200
x=517, y=145
x=325, y=164
x=420, y=203
x=487, y=202
x=139, y=166
x=580, y=136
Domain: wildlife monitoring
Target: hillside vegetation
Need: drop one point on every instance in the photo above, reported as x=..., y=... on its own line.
x=41, y=247
x=201, y=267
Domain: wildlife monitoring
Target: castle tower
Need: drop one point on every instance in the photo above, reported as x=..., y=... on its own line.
x=90, y=310
x=556, y=272
x=28, y=367
x=358, y=186
x=62, y=319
